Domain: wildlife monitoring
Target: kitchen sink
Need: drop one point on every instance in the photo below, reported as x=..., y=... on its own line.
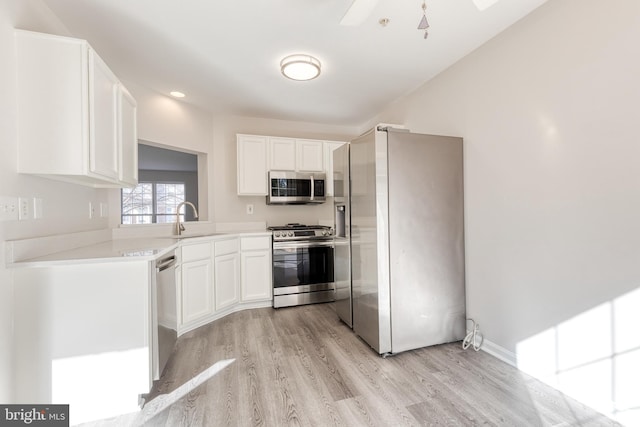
x=191, y=236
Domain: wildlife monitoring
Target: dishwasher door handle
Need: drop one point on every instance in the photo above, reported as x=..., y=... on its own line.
x=166, y=263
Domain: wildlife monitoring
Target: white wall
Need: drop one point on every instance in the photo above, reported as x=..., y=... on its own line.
x=65, y=206
x=549, y=113
x=171, y=123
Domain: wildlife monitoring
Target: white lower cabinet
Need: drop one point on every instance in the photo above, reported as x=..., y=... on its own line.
x=223, y=274
x=197, y=293
x=255, y=262
x=227, y=273
x=196, y=284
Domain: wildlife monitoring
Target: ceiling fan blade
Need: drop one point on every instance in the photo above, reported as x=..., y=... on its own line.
x=358, y=12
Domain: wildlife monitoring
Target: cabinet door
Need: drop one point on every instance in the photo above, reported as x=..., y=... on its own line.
x=103, y=122
x=252, y=165
x=329, y=146
x=227, y=271
x=52, y=92
x=127, y=137
x=282, y=152
x=256, y=275
x=197, y=286
x=309, y=155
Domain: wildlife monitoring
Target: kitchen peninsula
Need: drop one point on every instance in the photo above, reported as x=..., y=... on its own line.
x=84, y=308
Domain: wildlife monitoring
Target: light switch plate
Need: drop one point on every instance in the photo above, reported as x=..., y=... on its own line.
x=37, y=208
x=25, y=208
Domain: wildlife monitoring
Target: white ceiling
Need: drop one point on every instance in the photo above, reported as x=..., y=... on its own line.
x=225, y=54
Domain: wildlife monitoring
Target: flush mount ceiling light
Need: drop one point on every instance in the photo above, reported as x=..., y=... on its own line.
x=177, y=94
x=300, y=67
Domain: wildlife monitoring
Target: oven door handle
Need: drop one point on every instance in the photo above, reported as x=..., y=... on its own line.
x=298, y=245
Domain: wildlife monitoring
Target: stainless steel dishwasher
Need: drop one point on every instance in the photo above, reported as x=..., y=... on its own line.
x=165, y=310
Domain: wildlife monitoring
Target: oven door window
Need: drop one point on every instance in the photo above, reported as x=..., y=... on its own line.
x=302, y=266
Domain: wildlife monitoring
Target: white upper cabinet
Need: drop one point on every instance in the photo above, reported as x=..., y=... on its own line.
x=103, y=120
x=259, y=154
x=128, y=138
x=309, y=155
x=252, y=165
x=329, y=146
x=282, y=154
x=75, y=119
x=290, y=154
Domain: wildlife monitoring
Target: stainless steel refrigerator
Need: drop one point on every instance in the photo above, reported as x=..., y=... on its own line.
x=407, y=239
x=342, y=234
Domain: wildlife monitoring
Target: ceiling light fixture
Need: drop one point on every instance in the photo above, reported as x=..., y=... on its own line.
x=177, y=94
x=300, y=67
x=424, y=24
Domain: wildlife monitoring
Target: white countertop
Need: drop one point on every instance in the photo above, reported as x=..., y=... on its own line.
x=117, y=250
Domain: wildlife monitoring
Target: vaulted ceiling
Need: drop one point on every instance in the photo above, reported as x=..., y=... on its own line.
x=225, y=55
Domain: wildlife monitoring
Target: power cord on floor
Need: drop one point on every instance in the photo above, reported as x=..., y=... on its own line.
x=472, y=337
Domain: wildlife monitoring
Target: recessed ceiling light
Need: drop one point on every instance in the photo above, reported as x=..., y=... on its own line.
x=177, y=94
x=300, y=67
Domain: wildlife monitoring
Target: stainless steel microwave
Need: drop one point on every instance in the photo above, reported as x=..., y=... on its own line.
x=296, y=188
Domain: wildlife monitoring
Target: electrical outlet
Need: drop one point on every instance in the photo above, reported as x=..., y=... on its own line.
x=9, y=208
x=25, y=208
x=249, y=209
x=92, y=210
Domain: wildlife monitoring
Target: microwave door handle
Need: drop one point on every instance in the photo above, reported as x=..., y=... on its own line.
x=312, y=188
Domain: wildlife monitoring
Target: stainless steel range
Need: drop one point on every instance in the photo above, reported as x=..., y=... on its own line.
x=302, y=265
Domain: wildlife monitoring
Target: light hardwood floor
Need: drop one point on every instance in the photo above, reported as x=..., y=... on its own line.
x=301, y=366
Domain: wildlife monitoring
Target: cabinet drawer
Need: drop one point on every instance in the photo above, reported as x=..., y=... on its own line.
x=223, y=247
x=255, y=243
x=196, y=251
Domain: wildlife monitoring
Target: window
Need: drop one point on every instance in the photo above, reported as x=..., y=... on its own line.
x=152, y=202
x=166, y=178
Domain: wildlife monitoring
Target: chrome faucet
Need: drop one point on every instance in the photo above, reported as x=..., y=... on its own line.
x=179, y=225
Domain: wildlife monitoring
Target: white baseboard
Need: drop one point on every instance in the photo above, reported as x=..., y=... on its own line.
x=500, y=352
x=183, y=329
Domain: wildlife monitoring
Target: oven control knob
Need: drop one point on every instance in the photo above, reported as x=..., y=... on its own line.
x=290, y=234
x=277, y=234
x=325, y=232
